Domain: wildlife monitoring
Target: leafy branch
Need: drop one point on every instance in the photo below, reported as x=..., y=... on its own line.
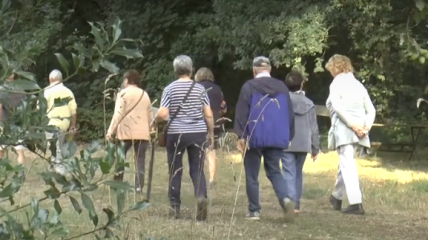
x=82, y=177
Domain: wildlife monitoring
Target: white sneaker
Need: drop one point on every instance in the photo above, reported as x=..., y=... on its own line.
x=60, y=169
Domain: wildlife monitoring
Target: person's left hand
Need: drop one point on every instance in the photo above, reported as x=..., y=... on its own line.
x=211, y=146
x=363, y=132
x=241, y=145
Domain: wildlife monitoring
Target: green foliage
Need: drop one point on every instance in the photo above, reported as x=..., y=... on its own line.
x=386, y=41
x=82, y=181
x=28, y=122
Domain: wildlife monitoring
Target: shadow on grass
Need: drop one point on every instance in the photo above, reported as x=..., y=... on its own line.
x=398, y=161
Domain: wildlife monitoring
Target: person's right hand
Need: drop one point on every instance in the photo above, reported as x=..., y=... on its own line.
x=315, y=157
x=109, y=136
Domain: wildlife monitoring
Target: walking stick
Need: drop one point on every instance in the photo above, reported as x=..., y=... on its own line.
x=152, y=161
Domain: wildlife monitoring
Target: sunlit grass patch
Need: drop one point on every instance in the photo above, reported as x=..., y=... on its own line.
x=392, y=201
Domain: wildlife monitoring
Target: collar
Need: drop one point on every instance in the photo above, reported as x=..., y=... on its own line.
x=56, y=84
x=263, y=74
x=300, y=92
x=345, y=75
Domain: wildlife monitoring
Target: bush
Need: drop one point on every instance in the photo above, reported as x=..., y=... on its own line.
x=82, y=178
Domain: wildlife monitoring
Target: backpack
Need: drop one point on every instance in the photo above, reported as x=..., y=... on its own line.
x=269, y=121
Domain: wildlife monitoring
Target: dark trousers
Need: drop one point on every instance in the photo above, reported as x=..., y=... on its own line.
x=176, y=146
x=252, y=162
x=140, y=147
x=292, y=168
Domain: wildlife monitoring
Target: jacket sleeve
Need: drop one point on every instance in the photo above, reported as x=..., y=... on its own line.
x=242, y=111
x=118, y=113
x=291, y=116
x=370, y=110
x=149, y=111
x=315, y=138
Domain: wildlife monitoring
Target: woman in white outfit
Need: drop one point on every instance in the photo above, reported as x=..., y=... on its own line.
x=352, y=114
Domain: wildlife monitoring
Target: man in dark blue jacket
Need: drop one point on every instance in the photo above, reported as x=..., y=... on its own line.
x=264, y=122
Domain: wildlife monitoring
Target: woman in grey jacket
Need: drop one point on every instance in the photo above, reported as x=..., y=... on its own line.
x=352, y=115
x=306, y=138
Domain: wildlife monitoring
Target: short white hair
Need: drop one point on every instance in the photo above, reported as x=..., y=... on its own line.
x=183, y=65
x=56, y=75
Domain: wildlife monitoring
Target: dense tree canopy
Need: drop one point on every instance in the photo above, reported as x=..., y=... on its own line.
x=386, y=40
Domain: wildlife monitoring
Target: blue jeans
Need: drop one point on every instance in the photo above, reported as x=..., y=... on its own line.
x=292, y=168
x=252, y=162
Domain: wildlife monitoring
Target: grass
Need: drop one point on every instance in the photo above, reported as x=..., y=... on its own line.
x=395, y=199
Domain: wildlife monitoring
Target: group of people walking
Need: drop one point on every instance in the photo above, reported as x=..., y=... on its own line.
x=273, y=119
x=192, y=110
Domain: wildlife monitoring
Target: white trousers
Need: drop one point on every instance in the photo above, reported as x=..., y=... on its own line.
x=347, y=177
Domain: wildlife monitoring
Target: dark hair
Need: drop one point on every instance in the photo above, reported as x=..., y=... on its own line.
x=294, y=81
x=133, y=77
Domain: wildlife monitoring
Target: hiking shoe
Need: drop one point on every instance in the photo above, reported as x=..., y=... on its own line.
x=255, y=216
x=22, y=177
x=174, y=211
x=60, y=169
x=118, y=177
x=288, y=208
x=355, y=209
x=202, y=210
x=335, y=203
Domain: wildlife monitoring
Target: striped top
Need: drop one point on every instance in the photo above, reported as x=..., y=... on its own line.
x=190, y=118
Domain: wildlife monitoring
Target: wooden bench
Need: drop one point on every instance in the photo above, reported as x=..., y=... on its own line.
x=411, y=147
x=416, y=131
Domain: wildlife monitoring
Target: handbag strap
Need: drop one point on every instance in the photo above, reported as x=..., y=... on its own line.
x=141, y=97
x=179, y=106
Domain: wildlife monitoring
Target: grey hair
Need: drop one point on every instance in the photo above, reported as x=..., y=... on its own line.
x=261, y=59
x=56, y=75
x=261, y=64
x=183, y=65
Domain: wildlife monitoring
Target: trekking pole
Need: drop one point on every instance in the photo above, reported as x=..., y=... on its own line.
x=151, y=164
x=152, y=159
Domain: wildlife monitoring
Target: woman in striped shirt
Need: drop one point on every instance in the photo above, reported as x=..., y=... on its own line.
x=187, y=106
